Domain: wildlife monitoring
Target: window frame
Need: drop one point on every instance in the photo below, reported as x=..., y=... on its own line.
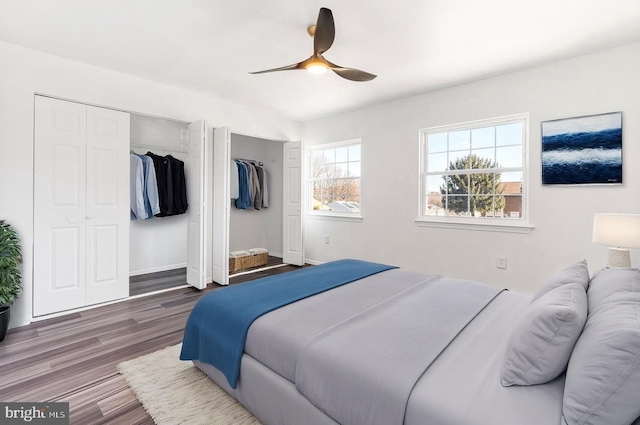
x=308, y=203
x=502, y=224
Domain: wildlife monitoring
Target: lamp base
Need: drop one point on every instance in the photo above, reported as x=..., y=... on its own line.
x=619, y=257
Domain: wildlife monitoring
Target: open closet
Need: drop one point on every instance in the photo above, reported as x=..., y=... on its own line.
x=237, y=226
x=256, y=224
x=85, y=243
x=158, y=226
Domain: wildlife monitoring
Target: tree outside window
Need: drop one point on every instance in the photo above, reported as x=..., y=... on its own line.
x=474, y=170
x=482, y=190
x=335, y=178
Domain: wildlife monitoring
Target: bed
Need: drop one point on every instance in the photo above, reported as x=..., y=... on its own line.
x=399, y=347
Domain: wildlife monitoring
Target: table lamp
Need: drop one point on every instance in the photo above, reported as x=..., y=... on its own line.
x=620, y=232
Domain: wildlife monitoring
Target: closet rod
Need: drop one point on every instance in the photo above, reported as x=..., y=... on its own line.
x=162, y=148
x=248, y=160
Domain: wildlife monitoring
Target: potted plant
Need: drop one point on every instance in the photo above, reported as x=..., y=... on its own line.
x=10, y=277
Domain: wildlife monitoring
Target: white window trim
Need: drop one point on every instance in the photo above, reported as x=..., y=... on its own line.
x=464, y=223
x=354, y=217
x=507, y=225
x=328, y=215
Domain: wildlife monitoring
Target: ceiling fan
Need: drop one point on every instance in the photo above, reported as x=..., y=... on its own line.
x=323, y=33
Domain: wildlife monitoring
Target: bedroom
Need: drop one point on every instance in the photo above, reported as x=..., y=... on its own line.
x=597, y=79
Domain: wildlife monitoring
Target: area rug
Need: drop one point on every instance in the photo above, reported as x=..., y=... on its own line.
x=174, y=392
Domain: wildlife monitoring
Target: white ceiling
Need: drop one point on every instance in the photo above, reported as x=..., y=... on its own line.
x=209, y=46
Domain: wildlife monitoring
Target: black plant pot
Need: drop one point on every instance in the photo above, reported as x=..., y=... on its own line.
x=4, y=321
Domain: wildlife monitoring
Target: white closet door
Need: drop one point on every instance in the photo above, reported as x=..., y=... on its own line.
x=221, y=204
x=292, y=252
x=208, y=220
x=107, y=213
x=197, y=212
x=59, y=205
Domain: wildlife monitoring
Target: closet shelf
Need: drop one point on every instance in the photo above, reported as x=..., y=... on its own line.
x=156, y=147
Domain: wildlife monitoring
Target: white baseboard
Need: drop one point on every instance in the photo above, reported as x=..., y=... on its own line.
x=313, y=262
x=157, y=269
x=275, y=254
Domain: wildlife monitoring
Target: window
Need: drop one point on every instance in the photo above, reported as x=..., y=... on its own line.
x=475, y=172
x=334, y=179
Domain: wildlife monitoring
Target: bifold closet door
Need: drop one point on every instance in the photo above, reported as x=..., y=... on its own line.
x=221, y=204
x=197, y=227
x=81, y=204
x=107, y=205
x=293, y=248
x=59, y=206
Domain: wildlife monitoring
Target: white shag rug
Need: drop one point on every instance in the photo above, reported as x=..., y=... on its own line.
x=176, y=392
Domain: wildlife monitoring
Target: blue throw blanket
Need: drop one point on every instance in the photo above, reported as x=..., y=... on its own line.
x=218, y=324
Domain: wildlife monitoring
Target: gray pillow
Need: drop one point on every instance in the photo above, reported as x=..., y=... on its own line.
x=603, y=377
x=576, y=273
x=609, y=282
x=541, y=343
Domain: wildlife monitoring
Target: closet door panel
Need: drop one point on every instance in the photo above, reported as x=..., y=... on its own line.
x=221, y=205
x=59, y=205
x=197, y=211
x=65, y=259
x=293, y=252
x=107, y=218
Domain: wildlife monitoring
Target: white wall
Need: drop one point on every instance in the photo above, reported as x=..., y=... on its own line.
x=24, y=72
x=562, y=216
x=251, y=228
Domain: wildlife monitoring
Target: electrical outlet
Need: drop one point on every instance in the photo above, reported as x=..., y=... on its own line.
x=502, y=262
x=327, y=239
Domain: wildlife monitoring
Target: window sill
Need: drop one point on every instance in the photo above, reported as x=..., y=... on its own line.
x=335, y=217
x=473, y=224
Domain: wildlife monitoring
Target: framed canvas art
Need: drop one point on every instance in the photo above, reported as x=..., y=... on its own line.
x=583, y=150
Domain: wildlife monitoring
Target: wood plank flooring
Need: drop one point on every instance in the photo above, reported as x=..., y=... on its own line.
x=151, y=282
x=73, y=358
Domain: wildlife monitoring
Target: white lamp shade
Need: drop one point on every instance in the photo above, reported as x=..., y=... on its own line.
x=617, y=230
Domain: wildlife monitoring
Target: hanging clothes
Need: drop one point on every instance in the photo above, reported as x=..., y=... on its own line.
x=264, y=195
x=136, y=193
x=253, y=189
x=151, y=203
x=250, y=181
x=257, y=200
x=234, y=182
x=265, y=189
x=165, y=184
x=179, y=185
x=158, y=186
x=244, y=199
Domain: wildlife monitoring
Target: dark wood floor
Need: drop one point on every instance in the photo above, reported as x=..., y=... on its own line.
x=73, y=358
x=151, y=282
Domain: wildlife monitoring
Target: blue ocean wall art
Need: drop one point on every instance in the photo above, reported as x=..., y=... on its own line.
x=583, y=150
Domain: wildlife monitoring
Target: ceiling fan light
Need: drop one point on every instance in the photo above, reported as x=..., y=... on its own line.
x=316, y=68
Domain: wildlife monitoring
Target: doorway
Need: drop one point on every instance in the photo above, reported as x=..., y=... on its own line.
x=281, y=226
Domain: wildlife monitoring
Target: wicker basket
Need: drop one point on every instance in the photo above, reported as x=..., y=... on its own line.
x=247, y=262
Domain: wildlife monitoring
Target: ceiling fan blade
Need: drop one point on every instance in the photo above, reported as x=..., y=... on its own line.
x=282, y=68
x=325, y=31
x=353, y=74
x=350, y=73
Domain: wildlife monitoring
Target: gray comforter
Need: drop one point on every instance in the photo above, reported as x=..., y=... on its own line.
x=460, y=387
x=362, y=370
